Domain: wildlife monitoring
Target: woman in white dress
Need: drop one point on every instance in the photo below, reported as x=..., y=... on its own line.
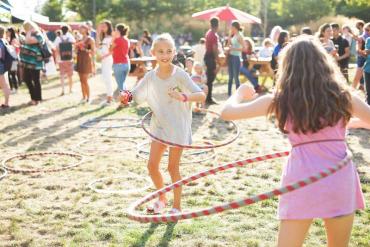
x=105, y=40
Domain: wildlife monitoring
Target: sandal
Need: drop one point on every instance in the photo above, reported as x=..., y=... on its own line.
x=157, y=207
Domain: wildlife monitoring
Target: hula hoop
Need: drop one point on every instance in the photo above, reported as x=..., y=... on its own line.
x=231, y=205
x=41, y=154
x=91, y=152
x=120, y=192
x=91, y=122
x=227, y=142
x=5, y=173
x=142, y=150
x=141, y=156
x=102, y=133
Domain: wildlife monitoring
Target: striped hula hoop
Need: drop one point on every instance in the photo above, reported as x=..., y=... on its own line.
x=16, y=170
x=91, y=123
x=208, y=146
x=5, y=173
x=231, y=205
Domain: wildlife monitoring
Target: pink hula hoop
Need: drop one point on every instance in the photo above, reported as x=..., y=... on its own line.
x=231, y=205
x=191, y=146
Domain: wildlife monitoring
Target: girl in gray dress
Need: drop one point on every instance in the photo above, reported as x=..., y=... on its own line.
x=168, y=90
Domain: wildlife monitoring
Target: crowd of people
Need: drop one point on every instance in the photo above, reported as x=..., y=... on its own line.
x=79, y=50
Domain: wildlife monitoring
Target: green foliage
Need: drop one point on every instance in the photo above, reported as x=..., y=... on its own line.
x=53, y=9
x=354, y=8
x=292, y=12
x=175, y=15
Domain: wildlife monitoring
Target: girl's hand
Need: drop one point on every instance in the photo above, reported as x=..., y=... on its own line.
x=173, y=93
x=247, y=92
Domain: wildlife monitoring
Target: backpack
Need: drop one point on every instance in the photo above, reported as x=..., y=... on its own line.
x=10, y=55
x=65, y=50
x=45, y=52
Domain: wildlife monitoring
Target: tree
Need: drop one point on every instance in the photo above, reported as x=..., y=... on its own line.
x=53, y=9
x=295, y=12
x=354, y=8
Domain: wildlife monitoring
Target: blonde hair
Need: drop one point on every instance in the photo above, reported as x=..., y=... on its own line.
x=197, y=65
x=28, y=25
x=163, y=37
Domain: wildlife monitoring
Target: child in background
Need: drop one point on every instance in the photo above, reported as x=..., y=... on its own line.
x=189, y=63
x=168, y=90
x=200, y=78
x=312, y=106
x=267, y=49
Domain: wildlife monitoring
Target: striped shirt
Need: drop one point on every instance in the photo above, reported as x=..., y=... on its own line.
x=31, y=56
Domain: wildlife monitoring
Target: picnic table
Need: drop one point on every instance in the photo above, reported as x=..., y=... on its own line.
x=143, y=64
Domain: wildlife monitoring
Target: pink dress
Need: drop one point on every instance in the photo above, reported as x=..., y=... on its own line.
x=337, y=195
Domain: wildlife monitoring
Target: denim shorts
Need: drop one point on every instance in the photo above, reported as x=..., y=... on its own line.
x=361, y=61
x=2, y=68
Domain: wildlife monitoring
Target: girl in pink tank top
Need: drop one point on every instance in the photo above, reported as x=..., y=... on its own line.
x=312, y=106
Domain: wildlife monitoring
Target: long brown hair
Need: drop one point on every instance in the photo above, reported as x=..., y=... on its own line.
x=310, y=89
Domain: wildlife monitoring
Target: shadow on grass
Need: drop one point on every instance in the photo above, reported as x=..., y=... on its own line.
x=166, y=238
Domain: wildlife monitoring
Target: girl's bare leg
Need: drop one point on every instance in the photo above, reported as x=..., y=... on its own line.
x=174, y=170
x=5, y=88
x=293, y=232
x=338, y=230
x=358, y=75
x=156, y=152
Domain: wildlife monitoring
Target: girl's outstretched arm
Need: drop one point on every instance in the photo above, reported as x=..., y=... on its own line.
x=191, y=97
x=234, y=109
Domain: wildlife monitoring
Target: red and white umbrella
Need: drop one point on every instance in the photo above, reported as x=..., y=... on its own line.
x=227, y=13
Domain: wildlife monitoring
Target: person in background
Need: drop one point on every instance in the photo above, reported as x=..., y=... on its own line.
x=135, y=52
x=282, y=41
x=360, y=46
x=244, y=70
x=146, y=43
x=199, y=77
x=189, y=64
x=64, y=47
x=351, y=38
x=274, y=35
x=366, y=53
x=12, y=74
x=235, y=46
x=324, y=34
x=306, y=30
x=199, y=51
x=92, y=32
x=121, y=60
x=105, y=41
x=343, y=49
x=32, y=60
x=267, y=49
x=4, y=86
x=85, y=51
x=77, y=35
x=211, y=57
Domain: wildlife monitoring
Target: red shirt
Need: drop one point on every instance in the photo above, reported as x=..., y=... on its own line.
x=120, y=50
x=211, y=41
